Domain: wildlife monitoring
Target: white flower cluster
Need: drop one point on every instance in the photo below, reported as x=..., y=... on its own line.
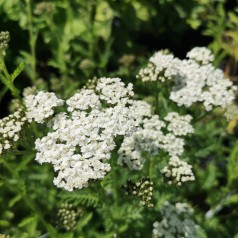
x=202, y=84
x=193, y=81
x=29, y=91
x=179, y=125
x=41, y=106
x=10, y=128
x=81, y=141
x=151, y=138
x=177, y=222
x=231, y=112
x=178, y=171
x=201, y=54
x=161, y=67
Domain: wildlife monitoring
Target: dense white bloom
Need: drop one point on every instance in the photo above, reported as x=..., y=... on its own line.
x=10, y=129
x=202, y=84
x=82, y=139
x=201, y=54
x=113, y=91
x=140, y=108
x=41, y=106
x=231, y=112
x=161, y=67
x=173, y=145
x=151, y=138
x=178, y=171
x=83, y=100
x=179, y=125
x=194, y=79
x=176, y=222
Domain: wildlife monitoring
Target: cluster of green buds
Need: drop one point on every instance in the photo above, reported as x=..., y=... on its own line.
x=4, y=39
x=143, y=190
x=43, y=8
x=91, y=83
x=67, y=217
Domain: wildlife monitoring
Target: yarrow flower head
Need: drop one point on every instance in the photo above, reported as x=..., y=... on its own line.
x=151, y=138
x=176, y=222
x=201, y=54
x=10, y=130
x=82, y=139
x=162, y=67
x=231, y=112
x=194, y=79
x=179, y=125
x=178, y=171
x=41, y=106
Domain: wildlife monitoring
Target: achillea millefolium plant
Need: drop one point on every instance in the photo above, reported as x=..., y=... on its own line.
x=106, y=161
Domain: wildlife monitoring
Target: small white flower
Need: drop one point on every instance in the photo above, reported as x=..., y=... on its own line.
x=81, y=142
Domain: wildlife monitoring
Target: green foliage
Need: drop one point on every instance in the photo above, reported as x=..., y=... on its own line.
x=86, y=198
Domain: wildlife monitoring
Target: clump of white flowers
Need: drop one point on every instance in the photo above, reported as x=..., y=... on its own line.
x=41, y=106
x=195, y=79
x=162, y=66
x=231, y=112
x=179, y=125
x=201, y=54
x=152, y=137
x=176, y=222
x=178, y=171
x=10, y=129
x=80, y=142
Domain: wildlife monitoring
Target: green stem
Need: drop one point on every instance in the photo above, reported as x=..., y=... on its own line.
x=3, y=92
x=33, y=37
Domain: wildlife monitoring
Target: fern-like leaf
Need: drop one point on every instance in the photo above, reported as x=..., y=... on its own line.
x=17, y=71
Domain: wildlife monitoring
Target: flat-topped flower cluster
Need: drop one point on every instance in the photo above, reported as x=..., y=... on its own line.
x=194, y=79
x=10, y=129
x=157, y=135
x=82, y=139
x=176, y=222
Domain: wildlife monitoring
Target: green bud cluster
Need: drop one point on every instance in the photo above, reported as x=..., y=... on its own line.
x=4, y=39
x=43, y=8
x=67, y=217
x=143, y=190
x=91, y=84
x=55, y=84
